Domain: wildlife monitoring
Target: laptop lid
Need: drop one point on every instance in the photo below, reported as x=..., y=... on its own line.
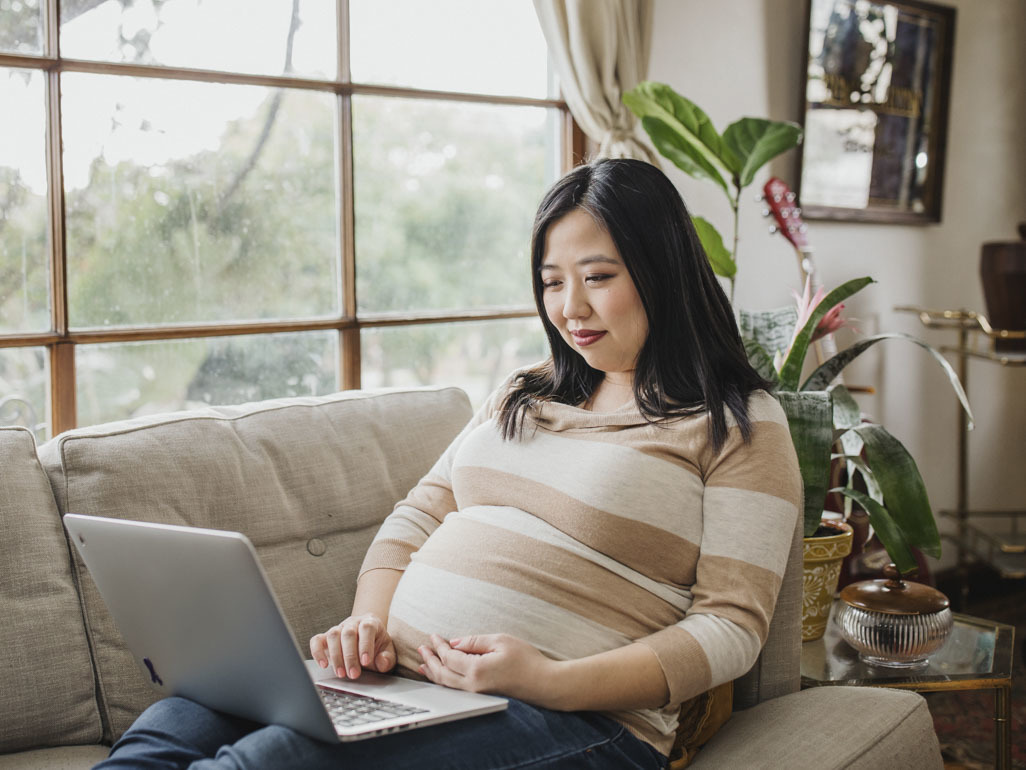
x=197, y=611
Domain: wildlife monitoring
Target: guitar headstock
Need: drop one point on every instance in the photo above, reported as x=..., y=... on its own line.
x=783, y=204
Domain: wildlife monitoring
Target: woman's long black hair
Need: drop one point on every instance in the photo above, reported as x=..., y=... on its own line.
x=693, y=358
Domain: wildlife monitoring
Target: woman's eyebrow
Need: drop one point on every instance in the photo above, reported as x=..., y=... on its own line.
x=596, y=258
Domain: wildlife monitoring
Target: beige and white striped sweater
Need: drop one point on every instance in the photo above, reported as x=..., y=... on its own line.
x=597, y=530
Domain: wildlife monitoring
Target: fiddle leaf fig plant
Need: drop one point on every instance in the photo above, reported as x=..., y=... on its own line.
x=826, y=425
x=685, y=135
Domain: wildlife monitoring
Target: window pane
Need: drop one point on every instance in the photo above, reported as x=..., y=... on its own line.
x=269, y=37
x=450, y=45
x=24, y=261
x=24, y=389
x=21, y=26
x=120, y=380
x=193, y=202
x=445, y=197
x=475, y=356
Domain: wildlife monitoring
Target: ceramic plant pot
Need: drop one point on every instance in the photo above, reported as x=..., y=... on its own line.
x=823, y=554
x=894, y=623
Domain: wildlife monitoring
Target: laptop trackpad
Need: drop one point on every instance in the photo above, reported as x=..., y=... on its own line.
x=383, y=684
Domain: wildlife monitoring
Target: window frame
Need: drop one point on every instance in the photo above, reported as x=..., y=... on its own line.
x=60, y=340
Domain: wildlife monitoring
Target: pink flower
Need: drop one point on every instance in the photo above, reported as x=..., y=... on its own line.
x=828, y=324
x=807, y=304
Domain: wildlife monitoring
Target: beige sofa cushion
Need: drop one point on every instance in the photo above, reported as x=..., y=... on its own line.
x=308, y=480
x=884, y=730
x=47, y=693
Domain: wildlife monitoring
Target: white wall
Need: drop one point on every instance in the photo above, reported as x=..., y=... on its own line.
x=744, y=57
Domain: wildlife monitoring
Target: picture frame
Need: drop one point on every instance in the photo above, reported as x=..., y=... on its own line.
x=875, y=94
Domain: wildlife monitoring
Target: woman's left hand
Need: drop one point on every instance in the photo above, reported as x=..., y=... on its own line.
x=491, y=663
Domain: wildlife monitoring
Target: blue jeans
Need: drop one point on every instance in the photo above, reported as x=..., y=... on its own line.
x=178, y=733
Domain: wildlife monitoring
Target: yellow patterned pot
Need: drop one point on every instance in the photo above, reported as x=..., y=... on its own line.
x=823, y=557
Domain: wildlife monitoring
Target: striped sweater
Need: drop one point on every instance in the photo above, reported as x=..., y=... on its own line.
x=597, y=530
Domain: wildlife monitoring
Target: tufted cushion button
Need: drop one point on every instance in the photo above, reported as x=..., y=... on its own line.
x=316, y=547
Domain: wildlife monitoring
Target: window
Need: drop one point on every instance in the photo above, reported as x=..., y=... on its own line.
x=254, y=200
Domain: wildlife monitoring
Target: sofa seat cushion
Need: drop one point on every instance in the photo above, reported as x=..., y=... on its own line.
x=64, y=758
x=858, y=728
x=47, y=688
x=308, y=480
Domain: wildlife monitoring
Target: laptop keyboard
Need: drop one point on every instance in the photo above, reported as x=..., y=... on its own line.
x=347, y=709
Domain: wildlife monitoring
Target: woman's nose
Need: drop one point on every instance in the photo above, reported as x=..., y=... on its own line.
x=575, y=304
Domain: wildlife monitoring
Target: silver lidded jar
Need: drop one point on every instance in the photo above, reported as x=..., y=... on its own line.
x=894, y=623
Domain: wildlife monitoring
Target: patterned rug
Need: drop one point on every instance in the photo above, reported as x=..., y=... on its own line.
x=965, y=720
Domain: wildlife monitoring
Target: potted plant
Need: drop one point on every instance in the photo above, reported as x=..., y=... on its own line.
x=827, y=426
x=825, y=421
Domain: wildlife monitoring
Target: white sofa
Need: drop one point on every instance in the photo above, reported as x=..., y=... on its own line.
x=309, y=480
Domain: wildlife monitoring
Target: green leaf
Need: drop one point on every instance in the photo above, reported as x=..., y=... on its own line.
x=760, y=360
x=667, y=141
x=791, y=371
x=682, y=132
x=755, y=141
x=903, y=490
x=890, y=534
x=715, y=251
x=809, y=418
x=872, y=487
x=847, y=413
x=833, y=366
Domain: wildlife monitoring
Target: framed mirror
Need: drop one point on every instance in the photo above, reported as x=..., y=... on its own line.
x=875, y=94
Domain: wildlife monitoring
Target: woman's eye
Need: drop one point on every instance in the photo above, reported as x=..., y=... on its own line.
x=598, y=278
x=552, y=284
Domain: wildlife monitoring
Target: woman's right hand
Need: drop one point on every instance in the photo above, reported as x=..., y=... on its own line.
x=359, y=641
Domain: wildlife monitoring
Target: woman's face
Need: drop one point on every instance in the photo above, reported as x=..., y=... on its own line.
x=590, y=297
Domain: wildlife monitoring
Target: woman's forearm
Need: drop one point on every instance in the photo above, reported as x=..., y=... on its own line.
x=625, y=678
x=374, y=592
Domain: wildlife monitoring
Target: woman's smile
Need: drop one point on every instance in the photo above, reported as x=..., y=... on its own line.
x=585, y=337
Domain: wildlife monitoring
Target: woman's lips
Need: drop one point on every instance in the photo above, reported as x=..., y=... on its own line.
x=585, y=337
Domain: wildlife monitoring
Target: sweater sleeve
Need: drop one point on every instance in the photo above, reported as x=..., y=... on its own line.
x=420, y=513
x=750, y=506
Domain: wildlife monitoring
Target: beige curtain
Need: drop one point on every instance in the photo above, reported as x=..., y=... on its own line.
x=600, y=48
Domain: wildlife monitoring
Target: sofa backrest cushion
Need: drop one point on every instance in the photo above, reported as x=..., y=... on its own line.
x=308, y=480
x=47, y=694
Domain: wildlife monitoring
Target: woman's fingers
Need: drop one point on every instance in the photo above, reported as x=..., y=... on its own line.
x=319, y=650
x=436, y=670
x=334, y=645
x=353, y=644
x=370, y=632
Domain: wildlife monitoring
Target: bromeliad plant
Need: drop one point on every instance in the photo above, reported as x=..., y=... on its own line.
x=827, y=426
x=685, y=135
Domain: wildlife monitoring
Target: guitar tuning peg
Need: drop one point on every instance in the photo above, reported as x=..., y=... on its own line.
x=790, y=197
x=760, y=198
x=803, y=228
x=773, y=229
x=777, y=197
x=797, y=211
x=765, y=212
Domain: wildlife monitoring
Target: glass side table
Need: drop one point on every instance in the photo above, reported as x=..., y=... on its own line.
x=977, y=656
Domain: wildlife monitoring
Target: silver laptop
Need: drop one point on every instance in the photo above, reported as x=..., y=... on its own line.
x=196, y=610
